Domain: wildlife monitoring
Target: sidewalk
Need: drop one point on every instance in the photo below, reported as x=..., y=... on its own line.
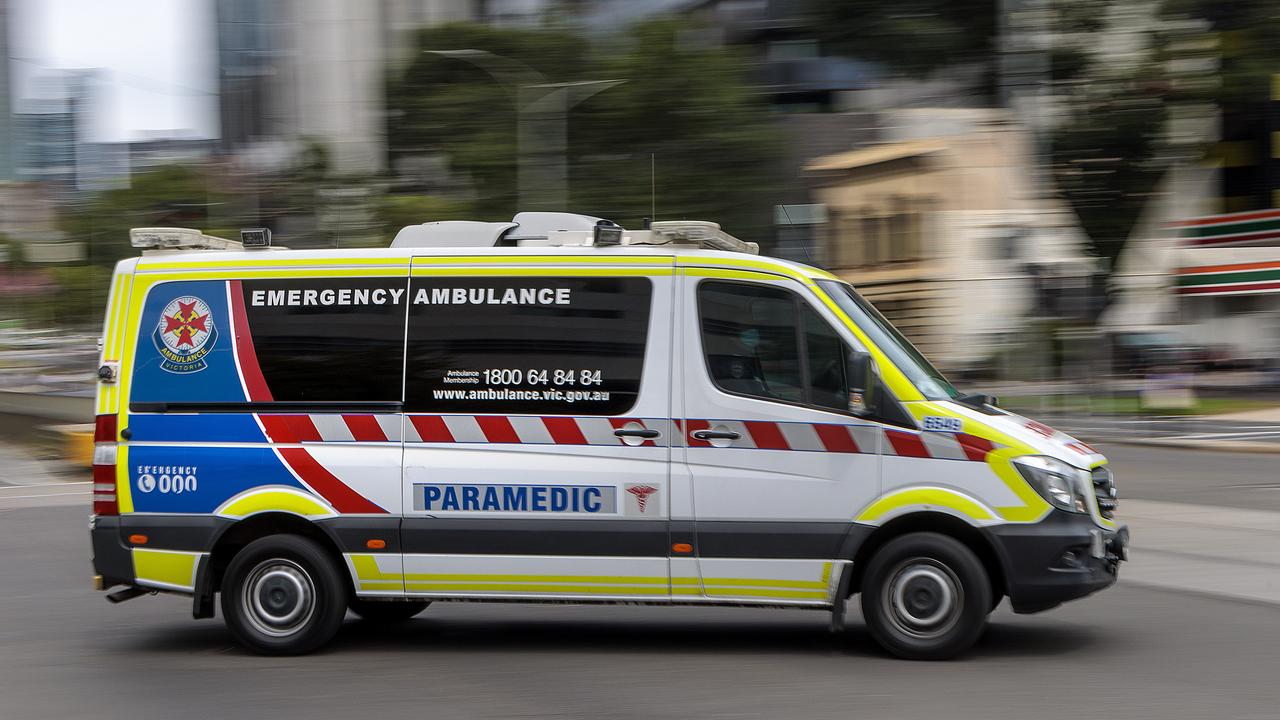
x=18, y=466
x=1209, y=550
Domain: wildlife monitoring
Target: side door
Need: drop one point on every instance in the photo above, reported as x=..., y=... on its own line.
x=538, y=429
x=776, y=462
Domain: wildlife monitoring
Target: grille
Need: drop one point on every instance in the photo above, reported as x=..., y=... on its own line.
x=1104, y=489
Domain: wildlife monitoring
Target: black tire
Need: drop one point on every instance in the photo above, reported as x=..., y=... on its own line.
x=925, y=596
x=283, y=595
x=387, y=612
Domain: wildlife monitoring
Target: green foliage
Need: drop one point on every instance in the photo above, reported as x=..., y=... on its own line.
x=713, y=145
x=685, y=104
x=80, y=300
x=1107, y=160
x=174, y=195
x=909, y=36
x=1248, y=55
x=447, y=105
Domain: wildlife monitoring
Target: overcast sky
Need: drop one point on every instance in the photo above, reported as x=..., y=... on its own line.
x=158, y=58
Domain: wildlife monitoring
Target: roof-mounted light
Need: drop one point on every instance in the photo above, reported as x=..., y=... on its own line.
x=701, y=233
x=255, y=238
x=178, y=239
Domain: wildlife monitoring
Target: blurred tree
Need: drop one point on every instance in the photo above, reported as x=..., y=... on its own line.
x=80, y=299
x=1108, y=151
x=715, y=150
x=682, y=102
x=910, y=36
x=1246, y=48
x=441, y=105
x=176, y=195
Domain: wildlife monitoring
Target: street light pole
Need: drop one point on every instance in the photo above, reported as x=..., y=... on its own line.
x=542, y=109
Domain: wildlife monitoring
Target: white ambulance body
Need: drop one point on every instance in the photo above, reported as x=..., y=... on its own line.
x=558, y=410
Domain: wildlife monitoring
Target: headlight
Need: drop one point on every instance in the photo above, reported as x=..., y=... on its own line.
x=1062, y=485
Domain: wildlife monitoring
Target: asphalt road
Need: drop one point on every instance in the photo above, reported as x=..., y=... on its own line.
x=1130, y=652
x=1202, y=477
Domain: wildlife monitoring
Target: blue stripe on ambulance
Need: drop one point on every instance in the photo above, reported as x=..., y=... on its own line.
x=193, y=479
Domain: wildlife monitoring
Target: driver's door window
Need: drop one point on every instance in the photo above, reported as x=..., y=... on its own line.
x=765, y=342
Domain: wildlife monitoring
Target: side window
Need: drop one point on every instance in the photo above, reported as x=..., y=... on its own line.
x=540, y=346
x=765, y=342
x=827, y=358
x=328, y=340
x=297, y=340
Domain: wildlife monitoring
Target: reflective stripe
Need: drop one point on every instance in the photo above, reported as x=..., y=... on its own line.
x=929, y=498
x=274, y=499
x=331, y=428
x=167, y=569
x=371, y=577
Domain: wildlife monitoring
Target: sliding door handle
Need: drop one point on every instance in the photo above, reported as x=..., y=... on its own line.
x=715, y=435
x=636, y=433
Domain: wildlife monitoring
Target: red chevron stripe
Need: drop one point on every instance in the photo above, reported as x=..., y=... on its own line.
x=336, y=492
x=255, y=384
x=431, y=428
x=907, y=444
x=836, y=438
x=767, y=435
x=286, y=429
x=564, y=431
x=975, y=448
x=364, y=428
x=497, y=429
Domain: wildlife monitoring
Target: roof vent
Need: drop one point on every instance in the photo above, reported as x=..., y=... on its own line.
x=452, y=233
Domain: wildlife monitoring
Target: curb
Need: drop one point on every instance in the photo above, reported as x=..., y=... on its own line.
x=1234, y=446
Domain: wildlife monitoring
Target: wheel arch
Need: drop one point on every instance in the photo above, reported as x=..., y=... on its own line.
x=236, y=536
x=936, y=522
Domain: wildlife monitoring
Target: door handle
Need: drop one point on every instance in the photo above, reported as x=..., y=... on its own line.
x=637, y=432
x=716, y=435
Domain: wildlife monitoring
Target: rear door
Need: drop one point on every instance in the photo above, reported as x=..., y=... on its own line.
x=268, y=388
x=537, y=441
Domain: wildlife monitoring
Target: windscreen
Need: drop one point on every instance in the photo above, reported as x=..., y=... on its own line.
x=886, y=337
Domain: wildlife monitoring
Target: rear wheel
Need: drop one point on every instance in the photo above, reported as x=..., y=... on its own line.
x=925, y=596
x=387, y=611
x=282, y=595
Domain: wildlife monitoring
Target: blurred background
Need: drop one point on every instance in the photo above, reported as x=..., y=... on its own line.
x=1074, y=205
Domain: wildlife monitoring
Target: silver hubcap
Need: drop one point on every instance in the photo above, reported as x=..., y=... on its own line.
x=924, y=598
x=279, y=597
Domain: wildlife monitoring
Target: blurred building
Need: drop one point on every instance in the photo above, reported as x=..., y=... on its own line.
x=6, y=97
x=146, y=155
x=52, y=143
x=1190, y=265
x=941, y=233
x=291, y=72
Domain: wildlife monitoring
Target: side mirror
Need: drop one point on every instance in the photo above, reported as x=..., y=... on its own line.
x=860, y=372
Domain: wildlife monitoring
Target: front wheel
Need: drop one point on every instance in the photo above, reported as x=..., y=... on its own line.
x=925, y=596
x=282, y=595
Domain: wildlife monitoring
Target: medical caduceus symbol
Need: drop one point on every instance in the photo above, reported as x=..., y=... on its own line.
x=642, y=493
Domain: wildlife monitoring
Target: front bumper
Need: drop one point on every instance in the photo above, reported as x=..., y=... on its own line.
x=1063, y=557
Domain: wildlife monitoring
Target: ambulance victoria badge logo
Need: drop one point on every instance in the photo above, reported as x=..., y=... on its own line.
x=185, y=335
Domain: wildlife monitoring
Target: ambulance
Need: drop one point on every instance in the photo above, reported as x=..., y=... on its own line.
x=559, y=409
